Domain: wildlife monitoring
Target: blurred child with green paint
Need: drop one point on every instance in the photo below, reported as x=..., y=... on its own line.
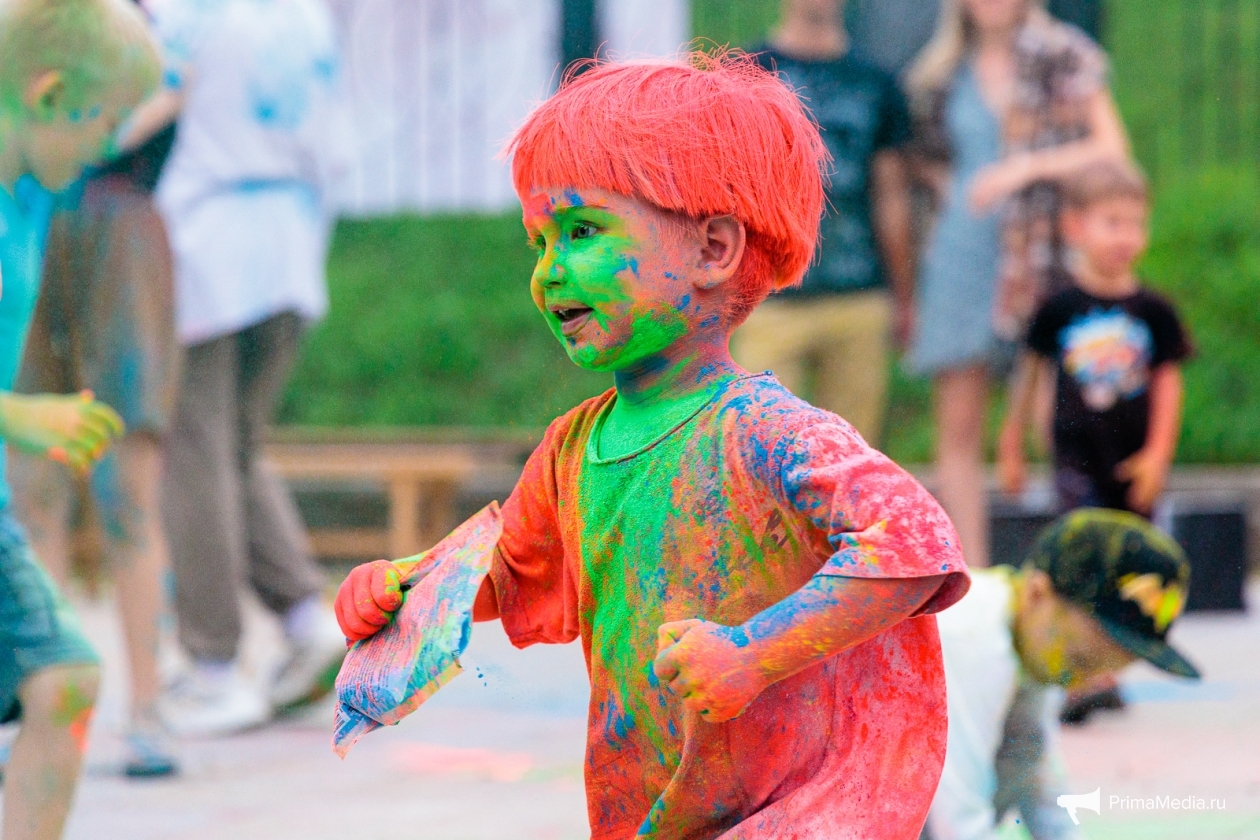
x=105, y=322
x=1100, y=590
x=753, y=585
x=70, y=72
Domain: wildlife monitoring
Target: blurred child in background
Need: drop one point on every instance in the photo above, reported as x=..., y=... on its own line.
x=106, y=322
x=1114, y=349
x=1100, y=590
x=70, y=72
x=246, y=200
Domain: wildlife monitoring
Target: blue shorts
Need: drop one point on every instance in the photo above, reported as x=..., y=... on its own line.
x=37, y=627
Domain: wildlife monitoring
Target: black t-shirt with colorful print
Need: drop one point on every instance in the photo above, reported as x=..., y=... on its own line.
x=1105, y=351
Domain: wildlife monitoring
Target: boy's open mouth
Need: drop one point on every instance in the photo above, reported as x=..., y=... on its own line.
x=572, y=317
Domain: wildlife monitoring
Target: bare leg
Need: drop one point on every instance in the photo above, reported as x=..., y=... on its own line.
x=961, y=399
x=136, y=547
x=44, y=764
x=41, y=499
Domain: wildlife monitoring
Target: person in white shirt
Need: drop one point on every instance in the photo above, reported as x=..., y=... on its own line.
x=246, y=197
x=1100, y=589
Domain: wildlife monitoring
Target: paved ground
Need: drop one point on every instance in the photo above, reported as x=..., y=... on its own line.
x=497, y=755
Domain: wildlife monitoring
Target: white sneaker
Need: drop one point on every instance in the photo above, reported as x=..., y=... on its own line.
x=314, y=660
x=213, y=702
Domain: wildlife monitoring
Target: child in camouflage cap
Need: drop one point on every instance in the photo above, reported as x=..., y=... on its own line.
x=1100, y=590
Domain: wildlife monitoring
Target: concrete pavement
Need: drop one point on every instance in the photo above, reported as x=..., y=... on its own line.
x=497, y=755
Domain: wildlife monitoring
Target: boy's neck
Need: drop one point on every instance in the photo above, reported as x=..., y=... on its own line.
x=659, y=393
x=805, y=38
x=675, y=375
x=1105, y=284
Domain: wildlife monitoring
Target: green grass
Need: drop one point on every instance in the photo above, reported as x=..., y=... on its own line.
x=432, y=324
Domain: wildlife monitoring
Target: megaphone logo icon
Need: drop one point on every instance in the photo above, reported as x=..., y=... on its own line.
x=1072, y=801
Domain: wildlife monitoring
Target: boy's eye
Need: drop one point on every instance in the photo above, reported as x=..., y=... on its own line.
x=538, y=243
x=583, y=231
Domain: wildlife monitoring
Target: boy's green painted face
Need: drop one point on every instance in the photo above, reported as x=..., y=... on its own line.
x=1062, y=644
x=59, y=142
x=616, y=277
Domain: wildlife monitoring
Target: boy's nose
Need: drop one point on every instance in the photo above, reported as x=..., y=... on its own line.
x=551, y=273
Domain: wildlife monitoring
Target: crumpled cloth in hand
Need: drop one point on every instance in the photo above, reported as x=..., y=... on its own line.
x=388, y=676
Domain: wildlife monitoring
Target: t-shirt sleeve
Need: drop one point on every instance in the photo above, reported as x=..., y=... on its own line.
x=876, y=519
x=1043, y=334
x=894, y=117
x=535, y=588
x=1172, y=343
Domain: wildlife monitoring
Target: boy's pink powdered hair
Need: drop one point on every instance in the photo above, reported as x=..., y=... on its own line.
x=704, y=135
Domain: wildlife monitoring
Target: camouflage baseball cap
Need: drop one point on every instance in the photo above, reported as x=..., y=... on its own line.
x=1128, y=575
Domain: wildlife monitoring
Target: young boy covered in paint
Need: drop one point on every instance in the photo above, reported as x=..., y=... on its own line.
x=1114, y=349
x=753, y=585
x=70, y=71
x=1100, y=589
x=105, y=323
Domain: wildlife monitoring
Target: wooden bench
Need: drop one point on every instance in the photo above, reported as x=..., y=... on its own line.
x=419, y=472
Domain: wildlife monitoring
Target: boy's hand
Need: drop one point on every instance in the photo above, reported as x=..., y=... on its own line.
x=74, y=429
x=1011, y=470
x=1147, y=471
x=368, y=598
x=702, y=663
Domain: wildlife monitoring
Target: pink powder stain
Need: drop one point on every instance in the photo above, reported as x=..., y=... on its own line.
x=440, y=760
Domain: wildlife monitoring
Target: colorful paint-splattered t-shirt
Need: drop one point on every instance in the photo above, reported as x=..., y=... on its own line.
x=726, y=515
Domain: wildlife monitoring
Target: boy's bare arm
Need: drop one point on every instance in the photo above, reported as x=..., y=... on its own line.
x=1147, y=468
x=151, y=116
x=1010, y=467
x=719, y=670
x=893, y=223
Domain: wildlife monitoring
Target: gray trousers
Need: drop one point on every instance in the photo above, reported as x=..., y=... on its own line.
x=229, y=519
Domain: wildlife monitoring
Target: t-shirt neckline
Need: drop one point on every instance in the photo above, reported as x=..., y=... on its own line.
x=1111, y=301
x=592, y=454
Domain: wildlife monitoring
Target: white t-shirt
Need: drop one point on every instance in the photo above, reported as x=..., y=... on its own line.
x=263, y=136
x=1002, y=751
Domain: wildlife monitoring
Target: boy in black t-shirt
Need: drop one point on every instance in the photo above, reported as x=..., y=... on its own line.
x=1115, y=349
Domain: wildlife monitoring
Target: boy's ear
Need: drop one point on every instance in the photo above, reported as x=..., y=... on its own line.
x=722, y=240
x=44, y=94
x=1038, y=589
